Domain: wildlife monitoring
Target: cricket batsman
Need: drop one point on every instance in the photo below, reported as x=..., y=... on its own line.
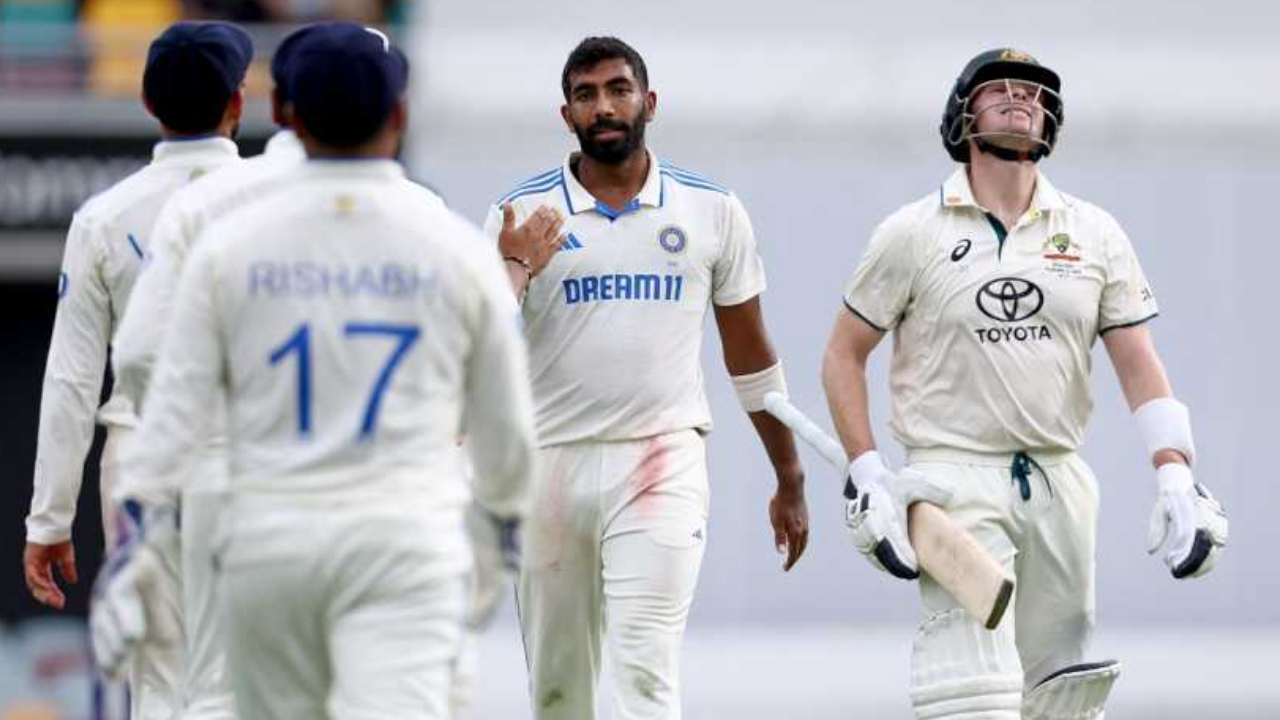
x=206, y=692
x=351, y=323
x=192, y=86
x=614, y=324
x=996, y=287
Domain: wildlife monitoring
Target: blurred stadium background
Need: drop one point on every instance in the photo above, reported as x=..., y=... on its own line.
x=822, y=116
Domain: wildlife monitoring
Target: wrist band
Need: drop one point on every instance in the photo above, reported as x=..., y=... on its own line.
x=1164, y=423
x=752, y=387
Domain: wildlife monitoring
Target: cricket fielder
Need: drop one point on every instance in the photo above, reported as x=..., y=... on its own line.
x=351, y=323
x=614, y=324
x=996, y=287
x=192, y=85
x=206, y=693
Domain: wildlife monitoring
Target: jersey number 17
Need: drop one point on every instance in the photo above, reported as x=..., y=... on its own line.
x=299, y=343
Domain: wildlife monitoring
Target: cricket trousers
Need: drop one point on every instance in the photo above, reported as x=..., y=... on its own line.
x=342, y=608
x=1036, y=512
x=155, y=676
x=206, y=690
x=612, y=548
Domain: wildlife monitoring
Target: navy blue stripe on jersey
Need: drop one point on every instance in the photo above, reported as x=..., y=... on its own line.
x=681, y=173
x=695, y=183
x=549, y=183
x=538, y=179
x=137, y=249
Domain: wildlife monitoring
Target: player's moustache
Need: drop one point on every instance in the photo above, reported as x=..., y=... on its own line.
x=600, y=126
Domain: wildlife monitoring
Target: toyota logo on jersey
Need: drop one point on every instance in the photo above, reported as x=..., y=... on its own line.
x=1010, y=299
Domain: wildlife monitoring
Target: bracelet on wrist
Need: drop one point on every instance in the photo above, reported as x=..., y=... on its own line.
x=528, y=267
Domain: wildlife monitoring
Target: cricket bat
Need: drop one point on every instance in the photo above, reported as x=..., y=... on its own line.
x=948, y=553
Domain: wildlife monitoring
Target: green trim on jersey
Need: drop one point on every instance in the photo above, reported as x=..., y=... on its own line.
x=1001, y=232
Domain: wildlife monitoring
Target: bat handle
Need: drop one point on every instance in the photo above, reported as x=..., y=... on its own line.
x=777, y=405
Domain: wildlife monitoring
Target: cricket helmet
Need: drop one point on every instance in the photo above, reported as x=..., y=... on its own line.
x=996, y=65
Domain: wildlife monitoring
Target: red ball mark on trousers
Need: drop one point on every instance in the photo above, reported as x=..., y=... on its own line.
x=649, y=475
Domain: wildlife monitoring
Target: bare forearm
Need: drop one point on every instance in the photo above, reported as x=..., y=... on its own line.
x=780, y=446
x=747, y=351
x=1142, y=377
x=844, y=378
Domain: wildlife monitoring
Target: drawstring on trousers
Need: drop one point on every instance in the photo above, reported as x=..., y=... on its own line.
x=1021, y=469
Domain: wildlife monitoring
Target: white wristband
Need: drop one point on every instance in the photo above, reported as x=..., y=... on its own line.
x=752, y=387
x=1165, y=424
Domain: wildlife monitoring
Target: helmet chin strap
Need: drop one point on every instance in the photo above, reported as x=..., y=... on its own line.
x=1009, y=154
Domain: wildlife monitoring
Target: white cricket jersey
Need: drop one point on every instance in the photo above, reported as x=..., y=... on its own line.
x=614, y=322
x=350, y=319
x=180, y=222
x=105, y=249
x=992, y=333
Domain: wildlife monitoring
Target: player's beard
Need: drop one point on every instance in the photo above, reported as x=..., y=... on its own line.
x=612, y=152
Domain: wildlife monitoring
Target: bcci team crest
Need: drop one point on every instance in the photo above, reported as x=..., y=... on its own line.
x=672, y=239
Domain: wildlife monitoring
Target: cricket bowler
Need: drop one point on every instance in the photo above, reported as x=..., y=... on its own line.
x=192, y=86
x=996, y=287
x=614, y=323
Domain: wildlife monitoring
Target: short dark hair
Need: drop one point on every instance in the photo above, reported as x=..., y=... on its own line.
x=594, y=50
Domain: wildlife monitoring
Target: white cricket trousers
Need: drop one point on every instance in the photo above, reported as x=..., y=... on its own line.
x=343, y=608
x=206, y=689
x=1048, y=539
x=613, y=544
x=155, y=676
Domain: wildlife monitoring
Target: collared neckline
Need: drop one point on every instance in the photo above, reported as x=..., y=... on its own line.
x=580, y=200
x=355, y=167
x=177, y=150
x=956, y=192
x=285, y=141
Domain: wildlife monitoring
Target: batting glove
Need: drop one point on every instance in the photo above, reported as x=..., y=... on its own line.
x=122, y=613
x=877, y=518
x=1187, y=522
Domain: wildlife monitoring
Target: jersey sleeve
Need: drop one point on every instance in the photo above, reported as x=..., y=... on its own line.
x=72, y=385
x=493, y=223
x=738, y=273
x=187, y=374
x=499, y=401
x=881, y=286
x=150, y=306
x=1126, y=297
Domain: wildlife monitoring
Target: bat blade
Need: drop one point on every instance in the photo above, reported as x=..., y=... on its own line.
x=950, y=554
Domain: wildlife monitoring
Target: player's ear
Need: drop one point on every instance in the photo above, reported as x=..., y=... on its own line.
x=650, y=104
x=235, y=105
x=568, y=118
x=146, y=103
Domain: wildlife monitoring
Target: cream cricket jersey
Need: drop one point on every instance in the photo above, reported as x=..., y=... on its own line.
x=614, y=322
x=992, y=333
x=180, y=222
x=349, y=319
x=105, y=249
